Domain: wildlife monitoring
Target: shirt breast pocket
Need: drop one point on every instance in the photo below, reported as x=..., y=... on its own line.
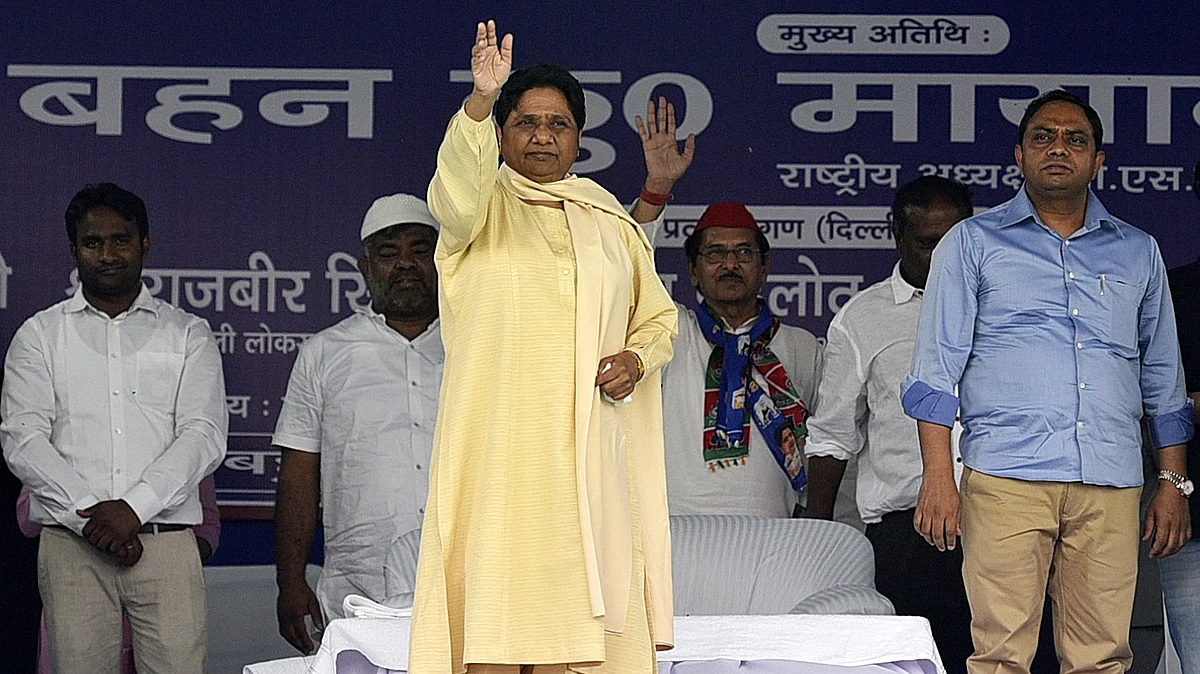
x=1124, y=300
x=158, y=376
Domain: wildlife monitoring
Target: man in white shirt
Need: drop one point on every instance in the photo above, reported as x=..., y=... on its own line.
x=764, y=377
x=868, y=352
x=113, y=410
x=356, y=426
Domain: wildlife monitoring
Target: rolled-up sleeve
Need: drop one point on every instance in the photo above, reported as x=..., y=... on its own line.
x=1167, y=408
x=945, y=332
x=838, y=424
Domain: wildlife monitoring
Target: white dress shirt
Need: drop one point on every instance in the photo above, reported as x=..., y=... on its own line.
x=758, y=487
x=366, y=399
x=97, y=408
x=868, y=353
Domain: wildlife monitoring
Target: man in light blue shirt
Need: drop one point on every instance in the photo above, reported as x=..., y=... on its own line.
x=1054, y=321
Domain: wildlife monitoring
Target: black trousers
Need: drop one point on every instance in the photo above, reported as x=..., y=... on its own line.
x=923, y=581
x=920, y=580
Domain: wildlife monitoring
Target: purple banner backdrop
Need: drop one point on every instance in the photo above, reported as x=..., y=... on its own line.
x=258, y=137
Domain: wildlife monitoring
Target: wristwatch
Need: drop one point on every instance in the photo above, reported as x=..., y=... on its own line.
x=1181, y=482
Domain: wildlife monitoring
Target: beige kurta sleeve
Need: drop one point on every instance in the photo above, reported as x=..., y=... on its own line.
x=654, y=321
x=462, y=185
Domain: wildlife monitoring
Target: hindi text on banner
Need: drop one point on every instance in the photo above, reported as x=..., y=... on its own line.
x=105, y=84
x=883, y=34
x=839, y=112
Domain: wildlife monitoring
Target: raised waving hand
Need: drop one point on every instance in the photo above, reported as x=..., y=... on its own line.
x=665, y=162
x=491, y=64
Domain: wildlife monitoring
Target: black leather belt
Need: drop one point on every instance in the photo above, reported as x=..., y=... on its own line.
x=154, y=528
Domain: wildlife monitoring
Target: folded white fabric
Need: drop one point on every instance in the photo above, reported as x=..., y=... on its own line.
x=379, y=645
x=897, y=643
x=842, y=640
x=357, y=606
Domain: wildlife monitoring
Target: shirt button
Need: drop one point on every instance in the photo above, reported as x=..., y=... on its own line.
x=413, y=383
x=115, y=393
x=118, y=431
x=1071, y=275
x=1082, y=385
x=1078, y=345
x=114, y=356
x=1079, y=424
x=418, y=466
x=1067, y=242
x=565, y=272
x=421, y=510
x=1074, y=312
x=117, y=471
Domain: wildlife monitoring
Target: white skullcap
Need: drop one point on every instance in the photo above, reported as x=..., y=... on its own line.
x=397, y=209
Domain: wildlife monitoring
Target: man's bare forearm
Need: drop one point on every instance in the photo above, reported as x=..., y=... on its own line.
x=1174, y=459
x=824, y=478
x=296, y=504
x=936, y=456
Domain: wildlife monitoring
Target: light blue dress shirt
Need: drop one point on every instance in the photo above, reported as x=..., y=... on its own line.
x=1058, y=347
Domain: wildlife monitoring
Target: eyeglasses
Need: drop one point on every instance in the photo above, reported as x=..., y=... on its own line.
x=717, y=254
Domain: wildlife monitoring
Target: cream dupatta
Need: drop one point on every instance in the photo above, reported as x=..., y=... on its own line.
x=606, y=434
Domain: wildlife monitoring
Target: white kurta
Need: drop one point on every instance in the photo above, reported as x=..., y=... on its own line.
x=365, y=398
x=757, y=487
x=868, y=354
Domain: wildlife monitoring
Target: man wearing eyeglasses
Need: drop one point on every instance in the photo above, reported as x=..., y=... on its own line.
x=737, y=393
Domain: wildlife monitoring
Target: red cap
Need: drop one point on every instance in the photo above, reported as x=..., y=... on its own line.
x=727, y=214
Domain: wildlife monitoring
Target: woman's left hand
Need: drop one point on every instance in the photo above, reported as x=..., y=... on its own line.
x=618, y=374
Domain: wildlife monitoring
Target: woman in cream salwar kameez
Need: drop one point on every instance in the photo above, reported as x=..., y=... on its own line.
x=545, y=544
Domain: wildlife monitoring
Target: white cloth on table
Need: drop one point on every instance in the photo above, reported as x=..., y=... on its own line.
x=97, y=408
x=868, y=353
x=285, y=666
x=781, y=644
x=384, y=643
x=366, y=399
x=837, y=640
x=357, y=606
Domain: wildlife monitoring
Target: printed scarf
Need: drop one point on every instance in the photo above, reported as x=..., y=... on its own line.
x=743, y=373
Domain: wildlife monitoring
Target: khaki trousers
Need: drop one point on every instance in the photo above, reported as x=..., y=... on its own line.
x=83, y=593
x=1076, y=541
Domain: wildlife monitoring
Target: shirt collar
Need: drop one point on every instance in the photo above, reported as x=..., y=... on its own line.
x=745, y=326
x=1021, y=209
x=902, y=291
x=144, y=301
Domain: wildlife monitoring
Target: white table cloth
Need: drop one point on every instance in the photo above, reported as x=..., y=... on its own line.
x=775, y=644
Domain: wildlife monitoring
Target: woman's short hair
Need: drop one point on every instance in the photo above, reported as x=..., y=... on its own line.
x=543, y=75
